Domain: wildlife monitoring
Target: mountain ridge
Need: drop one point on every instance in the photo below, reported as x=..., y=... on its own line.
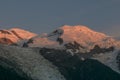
x=14, y=35
x=67, y=43
x=83, y=35
x=69, y=34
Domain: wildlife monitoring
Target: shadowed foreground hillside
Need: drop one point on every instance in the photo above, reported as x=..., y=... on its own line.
x=10, y=74
x=18, y=63
x=73, y=68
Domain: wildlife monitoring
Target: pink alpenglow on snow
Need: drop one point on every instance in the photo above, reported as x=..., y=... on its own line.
x=14, y=35
x=81, y=34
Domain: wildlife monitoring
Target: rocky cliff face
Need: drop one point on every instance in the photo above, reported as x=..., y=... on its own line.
x=74, y=67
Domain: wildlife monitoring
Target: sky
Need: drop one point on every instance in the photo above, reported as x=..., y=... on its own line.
x=41, y=16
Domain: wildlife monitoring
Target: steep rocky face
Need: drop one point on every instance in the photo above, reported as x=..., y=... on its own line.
x=75, y=68
x=82, y=56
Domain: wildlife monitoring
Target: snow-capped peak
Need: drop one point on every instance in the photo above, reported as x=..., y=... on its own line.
x=14, y=35
x=84, y=36
x=22, y=34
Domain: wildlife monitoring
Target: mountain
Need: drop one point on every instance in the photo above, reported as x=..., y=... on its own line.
x=66, y=36
x=83, y=42
x=67, y=53
x=14, y=35
x=62, y=37
x=19, y=63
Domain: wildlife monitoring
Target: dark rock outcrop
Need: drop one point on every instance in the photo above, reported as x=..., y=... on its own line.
x=73, y=68
x=118, y=60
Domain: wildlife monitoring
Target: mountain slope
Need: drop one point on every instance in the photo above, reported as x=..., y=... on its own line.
x=73, y=68
x=74, y=50
x=84, y=42
x=28, y=63
x=14, y=35
x=85, y=36
x=82, y=35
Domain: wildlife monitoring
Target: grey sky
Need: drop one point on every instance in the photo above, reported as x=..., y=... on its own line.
x=46, y=15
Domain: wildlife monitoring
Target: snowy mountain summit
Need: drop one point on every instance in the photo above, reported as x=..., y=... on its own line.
x=65, y=37
x=69, y=37
x=14, y=35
